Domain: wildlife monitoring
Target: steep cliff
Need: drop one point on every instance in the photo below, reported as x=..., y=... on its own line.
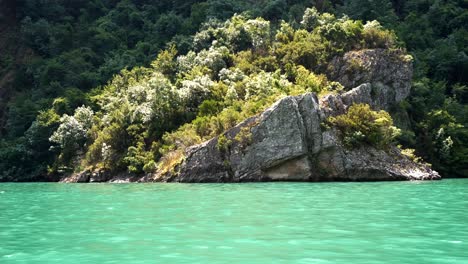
x=288, y=143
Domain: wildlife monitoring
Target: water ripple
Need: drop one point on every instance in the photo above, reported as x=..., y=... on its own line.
x=385, y=222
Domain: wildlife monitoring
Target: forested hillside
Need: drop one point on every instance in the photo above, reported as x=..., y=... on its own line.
x=127, y=85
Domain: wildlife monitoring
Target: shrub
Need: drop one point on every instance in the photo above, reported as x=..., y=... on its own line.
x=361, y=125
x=310, y=81
x=73, y=131
x=244, y=137
x=376, y=37
x=223, y=144
x=184, y=137
x=138, y=159
x=108, y=145
x=410, y=153
x=209, y=108
x=150, y=166
x=342, y=33
x=165, y=62
x=310, y=19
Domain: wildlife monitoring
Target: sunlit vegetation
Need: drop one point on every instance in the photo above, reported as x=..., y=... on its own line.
x=360, y=125
x=146, y=118
x=129, y=85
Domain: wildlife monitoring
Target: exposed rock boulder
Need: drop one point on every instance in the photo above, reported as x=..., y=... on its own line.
x=389, y=74
x=287, y=142
x=100, y=176
x=255, y=147
x=97, y=175
x=81, y=177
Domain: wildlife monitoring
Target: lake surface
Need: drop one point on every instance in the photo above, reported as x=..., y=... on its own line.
x=382, y=222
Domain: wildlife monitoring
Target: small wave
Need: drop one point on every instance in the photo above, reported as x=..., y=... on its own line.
x=453, y=241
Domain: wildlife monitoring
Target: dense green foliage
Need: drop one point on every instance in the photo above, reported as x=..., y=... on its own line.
x=62, y=118
x=360, y=125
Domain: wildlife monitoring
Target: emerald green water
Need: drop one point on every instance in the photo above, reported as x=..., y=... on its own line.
x=384, y=222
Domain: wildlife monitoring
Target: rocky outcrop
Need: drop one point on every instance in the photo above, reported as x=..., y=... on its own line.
x=99, y=175
x=287, y=142
x=388, y=72
x=81, y=177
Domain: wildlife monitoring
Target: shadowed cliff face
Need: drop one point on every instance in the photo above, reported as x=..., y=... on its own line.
x=287, y=142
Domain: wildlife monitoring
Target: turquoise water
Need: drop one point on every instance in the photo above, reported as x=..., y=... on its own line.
x=384, y=222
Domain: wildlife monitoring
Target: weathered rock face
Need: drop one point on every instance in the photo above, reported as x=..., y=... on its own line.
x=389, y=74
x=99, y=175
x=256, y=156
x=287, y=142
x=81, y=177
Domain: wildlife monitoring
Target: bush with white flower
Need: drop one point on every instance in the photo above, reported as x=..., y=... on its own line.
x=72, y=133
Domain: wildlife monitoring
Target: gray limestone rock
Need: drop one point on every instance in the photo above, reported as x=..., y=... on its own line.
x=389, y=74
x=81, y=177
x=100, y=176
